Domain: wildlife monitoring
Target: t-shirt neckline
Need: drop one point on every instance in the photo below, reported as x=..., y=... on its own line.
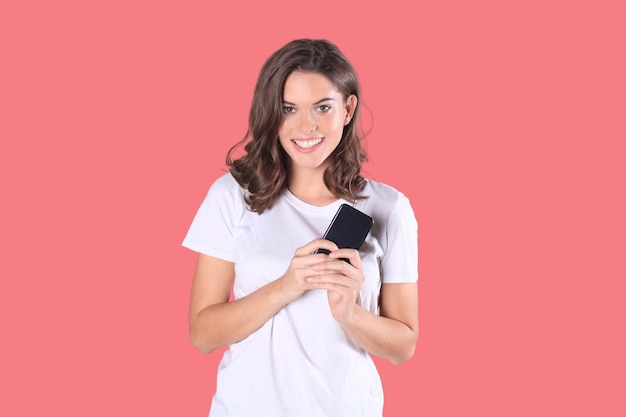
x=312, y=209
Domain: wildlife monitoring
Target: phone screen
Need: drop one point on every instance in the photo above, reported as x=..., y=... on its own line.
x=348, y=229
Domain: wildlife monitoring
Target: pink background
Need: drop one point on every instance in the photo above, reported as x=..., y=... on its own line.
x=504, y=122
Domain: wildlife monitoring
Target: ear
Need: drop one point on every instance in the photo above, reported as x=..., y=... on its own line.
x=351, y=103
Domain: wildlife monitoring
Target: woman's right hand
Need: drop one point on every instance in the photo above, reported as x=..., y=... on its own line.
x=294, y=281
x=215, y=322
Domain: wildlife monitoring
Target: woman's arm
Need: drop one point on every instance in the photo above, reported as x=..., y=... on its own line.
x=393, y=334
x=215, y=322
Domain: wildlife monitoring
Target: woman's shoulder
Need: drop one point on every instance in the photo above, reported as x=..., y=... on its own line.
x=225, y=188
x=226, y=183
x=384, y=200
x=381, y=190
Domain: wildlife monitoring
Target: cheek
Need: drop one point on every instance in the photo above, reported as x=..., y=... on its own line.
x=286, y=125
x=336, y=125
x=282, y=130
x=284, y=136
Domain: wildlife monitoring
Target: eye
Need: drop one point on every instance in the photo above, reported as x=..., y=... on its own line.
x=324, y=108
x=288, y=110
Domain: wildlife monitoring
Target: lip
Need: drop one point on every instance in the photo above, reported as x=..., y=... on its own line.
x=307, y=141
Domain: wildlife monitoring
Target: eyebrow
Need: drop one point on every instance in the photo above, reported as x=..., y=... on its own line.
x=317, y=102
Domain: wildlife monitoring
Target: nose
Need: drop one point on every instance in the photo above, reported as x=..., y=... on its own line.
x=307, y=122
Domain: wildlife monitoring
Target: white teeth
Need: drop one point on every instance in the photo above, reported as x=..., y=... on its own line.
x=307, y=143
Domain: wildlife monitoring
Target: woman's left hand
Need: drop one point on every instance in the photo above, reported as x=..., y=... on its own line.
x=342, y=280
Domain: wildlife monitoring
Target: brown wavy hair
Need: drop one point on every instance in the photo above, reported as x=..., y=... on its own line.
x=263, y=170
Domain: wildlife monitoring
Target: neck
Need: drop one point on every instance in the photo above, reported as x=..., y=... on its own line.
x=309, y=187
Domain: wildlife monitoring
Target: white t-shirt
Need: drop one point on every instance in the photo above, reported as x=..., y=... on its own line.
x=300, y=362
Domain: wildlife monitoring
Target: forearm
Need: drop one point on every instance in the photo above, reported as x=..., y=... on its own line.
x=222, y=324
x=381, y=336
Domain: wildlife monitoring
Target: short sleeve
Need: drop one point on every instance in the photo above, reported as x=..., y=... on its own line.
x=399, y=264
x=212, y=229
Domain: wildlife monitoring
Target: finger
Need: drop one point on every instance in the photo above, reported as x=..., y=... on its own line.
x=333, y=280
x=351, y=255
x=345, y=292
x=316, y=244
x=334, y=266
x=338, y=266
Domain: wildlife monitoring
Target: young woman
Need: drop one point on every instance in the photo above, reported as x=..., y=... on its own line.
x=302, y=325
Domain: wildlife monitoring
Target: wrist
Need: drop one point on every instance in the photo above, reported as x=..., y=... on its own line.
x=282, y=293
x=352, y=317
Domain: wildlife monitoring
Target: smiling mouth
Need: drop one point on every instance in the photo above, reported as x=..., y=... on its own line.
x=307, y=144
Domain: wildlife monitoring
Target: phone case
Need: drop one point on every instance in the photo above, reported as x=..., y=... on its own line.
x=348, y=229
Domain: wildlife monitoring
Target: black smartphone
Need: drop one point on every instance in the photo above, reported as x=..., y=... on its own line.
x=348, y=229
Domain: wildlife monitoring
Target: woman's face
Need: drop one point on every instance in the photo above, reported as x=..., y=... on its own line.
x=314, y=114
